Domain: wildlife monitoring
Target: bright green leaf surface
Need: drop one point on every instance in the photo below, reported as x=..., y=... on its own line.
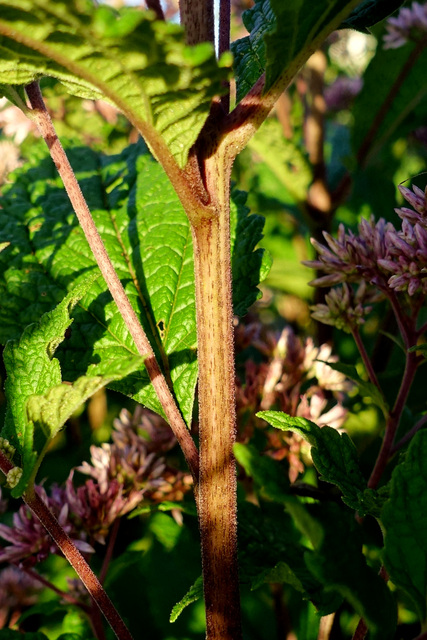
x=405, y=521
x=400, y=110
x=369, y=13
x=140, y=65
x=148, y=238
x=282, y=35
x=194, y=593
x=31, y=370
x=334, y=454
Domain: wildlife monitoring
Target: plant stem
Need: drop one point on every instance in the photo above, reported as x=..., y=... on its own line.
x=325, y=626
x=197, y=18
x=77, y=561
x=62, y=594
x=217, y=480
x=44, y=123
x=109, y=552
x=408, y=436
x=394, y=419
x=155, y=6
x=366, y=360
x=361, y=630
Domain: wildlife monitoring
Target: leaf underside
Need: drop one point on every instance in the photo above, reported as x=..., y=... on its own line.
x=148, y=238
x=282, y=35
x=142, y=66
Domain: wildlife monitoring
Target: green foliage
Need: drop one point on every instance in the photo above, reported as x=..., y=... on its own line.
x=405, y=524
x=148, y=237
x=194, y=593
x=369, y=12
x=281, y=37
x=38, y=404
x=140, y=65
x=393, y=95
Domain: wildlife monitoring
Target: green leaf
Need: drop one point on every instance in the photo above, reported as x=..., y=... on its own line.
x=284, y=157
x=148, y=238
x=271, y=550
x=194, y=593
x=269, y=476
x=334, y=455
x=400, y=111
x=33, y=419
x=167, y=505
x=339, y=564
x=250, y=266
x=282, y=35
x=405, y=522
x=369, y=13
x=140, y=65
x=365, y=388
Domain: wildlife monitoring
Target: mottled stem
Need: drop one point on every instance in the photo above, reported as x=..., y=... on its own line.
x=217, y=480
x=45, y=126
x=197, y=18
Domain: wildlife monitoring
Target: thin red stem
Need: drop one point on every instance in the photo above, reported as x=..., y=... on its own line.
x=394, y=419
x=44, y=123
x=109, y=552
x=408, y=436
x=366, y=360
x=62, y=594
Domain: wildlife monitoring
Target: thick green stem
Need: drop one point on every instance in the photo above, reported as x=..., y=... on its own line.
x=217, y=478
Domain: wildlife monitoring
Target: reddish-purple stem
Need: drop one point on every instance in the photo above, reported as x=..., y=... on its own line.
x=408, y=436
x=394, y=419
x=366, y=360
x=155, y=6
x=109, y=552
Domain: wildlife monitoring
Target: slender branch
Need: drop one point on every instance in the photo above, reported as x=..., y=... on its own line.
x=394, y=419
x=224, y=26
x=366, y=360
x=361, y=630
x=246, y=118
x=155, y=6
x=319, y=196
x=73, y=555
x=62, y=594
x=370, y=137
x=79, y=564
x=408, y=436
x=197, y=18
x=109, y=552
x=44, y=123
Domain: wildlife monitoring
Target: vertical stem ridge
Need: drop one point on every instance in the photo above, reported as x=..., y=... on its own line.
x=217, y=478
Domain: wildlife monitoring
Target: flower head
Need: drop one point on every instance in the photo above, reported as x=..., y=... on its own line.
x=29, y=540
x=410, y=24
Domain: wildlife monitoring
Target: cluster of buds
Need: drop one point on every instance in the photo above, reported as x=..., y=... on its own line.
x=410, y=24
x=380, y=260
x=293, y=376
x=121, y=475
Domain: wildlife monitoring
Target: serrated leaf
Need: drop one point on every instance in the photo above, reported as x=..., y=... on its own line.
x=33, y=419
x=339, y=564
x=282, y=35
x=404, y=518
x=148, y=238
x=250, y=266
x=404, y=110
x=194, y=593
x=167, y=505
x=334, y=455
x=142, y=66
x=370, y=12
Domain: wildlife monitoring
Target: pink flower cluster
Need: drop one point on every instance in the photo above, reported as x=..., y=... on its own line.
x=380, y=259
x=293, y=376
x=410, y=24
x=123, y=474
